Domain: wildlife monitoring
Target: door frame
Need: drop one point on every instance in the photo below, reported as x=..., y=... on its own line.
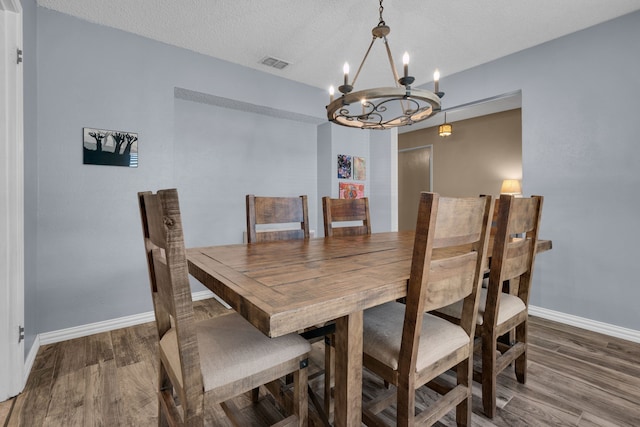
x=11, y=202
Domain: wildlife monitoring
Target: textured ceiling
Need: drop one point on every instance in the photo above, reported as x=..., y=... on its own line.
x=317, y=37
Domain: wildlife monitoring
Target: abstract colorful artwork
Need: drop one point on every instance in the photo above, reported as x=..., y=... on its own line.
x=344, y=166
x=349, y=190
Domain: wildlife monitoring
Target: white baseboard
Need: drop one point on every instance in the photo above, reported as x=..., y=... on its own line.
x=94, y=328
x=112, y=324
x=588, y=324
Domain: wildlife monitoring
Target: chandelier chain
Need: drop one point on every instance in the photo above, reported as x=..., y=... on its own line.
x=381, y=9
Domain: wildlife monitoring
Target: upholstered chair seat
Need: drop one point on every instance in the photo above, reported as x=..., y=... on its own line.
x=383, y=328
x=235, y=349
x=510, y=306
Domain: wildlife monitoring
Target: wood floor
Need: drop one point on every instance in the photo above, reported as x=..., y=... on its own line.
x=575, y=378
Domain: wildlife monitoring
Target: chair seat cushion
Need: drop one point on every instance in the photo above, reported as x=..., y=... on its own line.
x=383, y=334
x=231, y=348
x=510, y=305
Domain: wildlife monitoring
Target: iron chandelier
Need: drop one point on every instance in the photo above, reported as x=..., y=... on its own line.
x=383, y=107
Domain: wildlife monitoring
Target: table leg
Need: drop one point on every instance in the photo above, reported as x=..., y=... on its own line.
x=348, y=371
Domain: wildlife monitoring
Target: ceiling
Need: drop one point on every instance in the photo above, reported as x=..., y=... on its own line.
x=316, y=37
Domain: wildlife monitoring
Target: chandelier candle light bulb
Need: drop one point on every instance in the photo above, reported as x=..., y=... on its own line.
x=405, y=61
x=331, y=93
x=436, y=80
x=345, y=69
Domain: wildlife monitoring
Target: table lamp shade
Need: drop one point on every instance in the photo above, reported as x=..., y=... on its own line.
x=511, y=186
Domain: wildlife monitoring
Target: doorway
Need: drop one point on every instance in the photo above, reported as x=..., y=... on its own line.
x=414, y=176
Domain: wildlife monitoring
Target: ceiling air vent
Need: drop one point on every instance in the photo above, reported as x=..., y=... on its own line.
x=274, y=62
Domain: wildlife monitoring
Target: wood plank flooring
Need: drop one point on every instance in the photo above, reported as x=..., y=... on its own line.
x=575, y=378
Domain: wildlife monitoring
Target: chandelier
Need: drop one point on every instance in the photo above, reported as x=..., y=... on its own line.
x=383, y=107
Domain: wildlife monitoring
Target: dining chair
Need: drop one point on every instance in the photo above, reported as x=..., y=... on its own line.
x=502, y=310
x=342, y=217
x=408, y=347
x=215, y=359
x=265, y=213
x=276, y=212
x=353, y=214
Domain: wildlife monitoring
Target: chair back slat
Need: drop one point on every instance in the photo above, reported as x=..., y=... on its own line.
x=453, y=229
x=337, y=211
x=523, y=217
x=450, y=280
x=277, y=211
x=517, y=260
x=348, y=209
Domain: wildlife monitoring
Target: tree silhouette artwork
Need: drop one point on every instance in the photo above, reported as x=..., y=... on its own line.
x=111, y=148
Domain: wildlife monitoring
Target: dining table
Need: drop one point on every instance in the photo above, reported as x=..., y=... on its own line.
x=287, y=286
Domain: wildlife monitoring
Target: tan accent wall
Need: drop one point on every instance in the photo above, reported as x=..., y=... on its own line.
x=479, y=154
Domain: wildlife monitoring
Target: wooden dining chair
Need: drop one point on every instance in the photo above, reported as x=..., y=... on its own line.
x=215, y=359
x=342, y=217
x=276, y=212
x=502, y=310
x=265, y=213
x=352, y=213
x=408, y=347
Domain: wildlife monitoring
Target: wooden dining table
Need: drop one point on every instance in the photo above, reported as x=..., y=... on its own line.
x=287, y=286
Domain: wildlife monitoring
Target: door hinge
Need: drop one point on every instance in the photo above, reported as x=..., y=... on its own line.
x=19, y=57
x=20, y=334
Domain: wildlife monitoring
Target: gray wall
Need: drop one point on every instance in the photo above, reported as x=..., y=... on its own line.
x=580, y=150
x=220, y=155
x=384, y=181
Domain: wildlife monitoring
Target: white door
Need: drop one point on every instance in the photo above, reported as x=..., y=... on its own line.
x=11, y=202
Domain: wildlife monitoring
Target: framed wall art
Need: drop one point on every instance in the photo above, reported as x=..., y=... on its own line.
x=344, y=166
x=349, y=190
x=109, y=147
x=359, y=168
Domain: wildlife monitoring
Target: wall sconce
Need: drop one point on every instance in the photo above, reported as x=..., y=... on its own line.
x=445, y=129
x=511, y=186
